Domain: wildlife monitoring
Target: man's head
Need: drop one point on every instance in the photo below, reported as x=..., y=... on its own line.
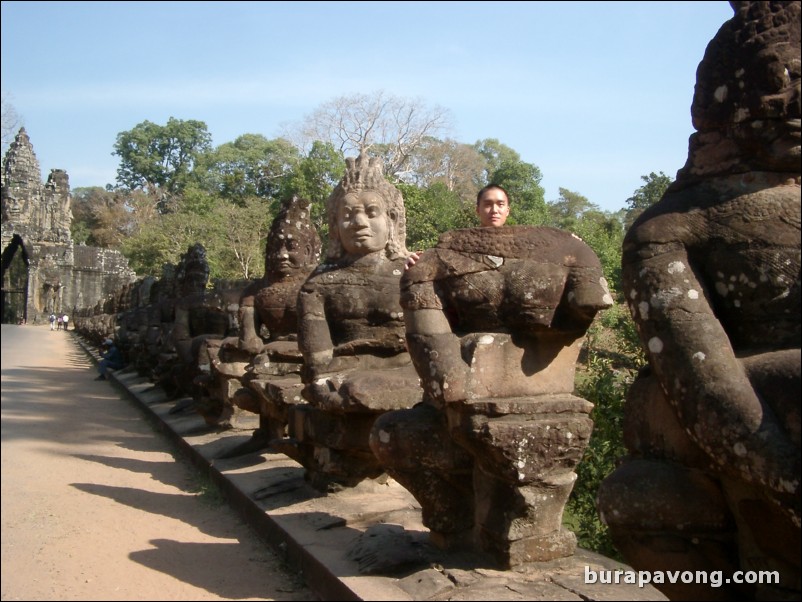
x=492, y=206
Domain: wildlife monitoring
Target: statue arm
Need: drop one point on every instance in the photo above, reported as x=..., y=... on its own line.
x=436, y=354
x=703, y=379
x=181, y=334
x=249, y=339
x=314, y=337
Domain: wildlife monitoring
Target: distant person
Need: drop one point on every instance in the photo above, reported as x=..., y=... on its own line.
x=66, y=320
x=492, y=207
x=59, y=322
x=52, y=320
x=112, y=359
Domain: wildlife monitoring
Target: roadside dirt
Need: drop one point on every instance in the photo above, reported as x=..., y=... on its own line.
x=97, y=505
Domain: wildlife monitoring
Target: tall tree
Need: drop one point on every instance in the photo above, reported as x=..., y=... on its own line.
x=388, y=126
x=569, y=208
x=250, y=166
x=431, y=211
x=238, y=249
x=105, y=218
x=160, y=159
x=496, y=154
x=314, y=179
x=459, y=167
x=647, y=195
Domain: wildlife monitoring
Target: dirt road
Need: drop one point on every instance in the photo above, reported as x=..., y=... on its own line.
x=96, y=506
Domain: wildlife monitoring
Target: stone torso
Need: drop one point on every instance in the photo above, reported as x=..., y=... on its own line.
x=360, y=301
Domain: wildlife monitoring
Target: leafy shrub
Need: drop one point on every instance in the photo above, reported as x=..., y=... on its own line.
x=612, y=359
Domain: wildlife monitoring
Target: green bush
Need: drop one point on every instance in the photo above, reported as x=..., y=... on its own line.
x=612, y=359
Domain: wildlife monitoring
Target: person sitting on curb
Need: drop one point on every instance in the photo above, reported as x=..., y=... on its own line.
x=112, y=359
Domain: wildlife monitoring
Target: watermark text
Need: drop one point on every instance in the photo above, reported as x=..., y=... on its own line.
x=712, y=578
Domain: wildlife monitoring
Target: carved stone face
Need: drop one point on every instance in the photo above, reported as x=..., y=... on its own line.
x=287, y=253
x=363, y=223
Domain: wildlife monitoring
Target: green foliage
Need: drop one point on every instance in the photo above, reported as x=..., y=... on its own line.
x=101, y=218
x=250, y=166
x=160, y=158
x=163, y=240
x=569, y=208
x=233, y=236
x=612, y=361
x=432, y=211
x=602, y=231
x=646, y=196
x=314, y=179
x=239, y=238
x=604, y=234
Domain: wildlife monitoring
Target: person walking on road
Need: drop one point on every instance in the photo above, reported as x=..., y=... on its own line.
x=66, y=320
x=52, y=320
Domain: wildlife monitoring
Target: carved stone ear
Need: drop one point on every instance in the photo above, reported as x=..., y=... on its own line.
x=393, y=215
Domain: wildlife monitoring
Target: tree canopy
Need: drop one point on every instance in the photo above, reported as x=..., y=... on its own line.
x=174, y=189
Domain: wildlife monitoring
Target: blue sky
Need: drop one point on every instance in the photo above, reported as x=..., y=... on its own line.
x=596, y=94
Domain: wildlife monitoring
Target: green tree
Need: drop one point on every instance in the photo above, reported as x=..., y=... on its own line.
x=460, y=167
x=163, y=239
x=160, y=159
x=602, y=231
x=314, y=179
x=647, y=195
x=569, y=208
x=250, y=166
x=432, y=211
x=238, y=237
x=101, y=218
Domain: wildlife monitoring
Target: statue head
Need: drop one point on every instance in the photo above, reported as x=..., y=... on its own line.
x=366, y=213
x=192, y=273
x=292, y=243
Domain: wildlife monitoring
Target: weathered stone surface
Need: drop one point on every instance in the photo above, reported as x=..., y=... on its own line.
x=266, y=347
x=495, y=318
x=712, y=278
x=351, y=332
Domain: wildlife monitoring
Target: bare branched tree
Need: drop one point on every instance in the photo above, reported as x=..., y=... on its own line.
x=12, y=122
x=387, y=126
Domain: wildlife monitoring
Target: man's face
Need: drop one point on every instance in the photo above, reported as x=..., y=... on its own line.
x=493, y=208
x=363, y=223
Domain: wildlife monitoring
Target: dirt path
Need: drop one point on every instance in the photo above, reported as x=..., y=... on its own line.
x=94, y=504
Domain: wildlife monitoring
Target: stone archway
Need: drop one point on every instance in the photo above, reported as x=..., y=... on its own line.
x=14, y=294
x=51, y=273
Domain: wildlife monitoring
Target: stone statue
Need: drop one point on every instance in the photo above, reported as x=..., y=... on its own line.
x=259, y=371
x=199, y=315
x=351, y=333
x=495, y=318
x=712, y=278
